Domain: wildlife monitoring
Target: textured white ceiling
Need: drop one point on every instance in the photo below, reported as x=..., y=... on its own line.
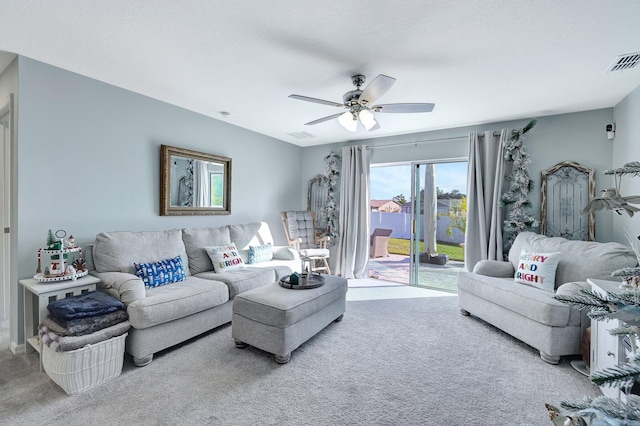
x=478, y=61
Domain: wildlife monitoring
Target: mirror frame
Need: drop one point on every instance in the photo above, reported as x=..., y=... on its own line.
x=166, y=209
x=318, y=183
x=580, y=185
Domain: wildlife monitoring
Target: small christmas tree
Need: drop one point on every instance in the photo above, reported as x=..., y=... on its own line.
x=520, y=184
x=51, y=240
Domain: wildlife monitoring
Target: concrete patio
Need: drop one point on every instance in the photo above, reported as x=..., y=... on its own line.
x=396, y=268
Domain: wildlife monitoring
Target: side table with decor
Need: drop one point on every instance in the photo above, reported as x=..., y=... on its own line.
x=37, y=295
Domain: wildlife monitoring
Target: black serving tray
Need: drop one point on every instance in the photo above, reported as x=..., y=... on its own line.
x=315, y=280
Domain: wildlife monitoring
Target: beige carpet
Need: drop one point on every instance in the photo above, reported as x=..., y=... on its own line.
x=410, y=361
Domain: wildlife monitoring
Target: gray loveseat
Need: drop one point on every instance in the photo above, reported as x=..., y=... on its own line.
x=172, y=313
x=531, y=314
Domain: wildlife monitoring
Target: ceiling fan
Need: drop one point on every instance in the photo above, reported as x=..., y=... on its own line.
x=359, y=104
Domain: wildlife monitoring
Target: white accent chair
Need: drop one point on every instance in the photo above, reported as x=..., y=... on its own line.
x=299, y=226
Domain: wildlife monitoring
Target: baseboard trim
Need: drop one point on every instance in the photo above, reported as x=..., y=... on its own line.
x=16, y=348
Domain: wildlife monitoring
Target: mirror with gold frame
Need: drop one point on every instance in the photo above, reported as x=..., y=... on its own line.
x=194, y=183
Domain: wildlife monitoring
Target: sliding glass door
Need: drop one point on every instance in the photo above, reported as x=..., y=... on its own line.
x=438, y=222
x=422, y=209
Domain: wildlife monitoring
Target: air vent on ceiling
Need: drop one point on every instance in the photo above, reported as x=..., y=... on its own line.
x=301, y=135
x=625, y=62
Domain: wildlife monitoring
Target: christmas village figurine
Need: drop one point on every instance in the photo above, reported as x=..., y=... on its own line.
x=79, y=264
x=71, y=242
x=58, y=269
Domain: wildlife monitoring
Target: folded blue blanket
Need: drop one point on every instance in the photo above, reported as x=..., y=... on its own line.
x=84, y=305
x=82, y=326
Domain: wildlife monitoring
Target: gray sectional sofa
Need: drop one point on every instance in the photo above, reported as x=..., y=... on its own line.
x=170, y=314
x=531, y=314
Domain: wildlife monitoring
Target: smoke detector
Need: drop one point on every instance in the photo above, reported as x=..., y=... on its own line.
x=625, y=62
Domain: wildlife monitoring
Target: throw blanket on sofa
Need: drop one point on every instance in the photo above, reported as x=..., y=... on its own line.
x=87, y=325
x=84, y=305
x=69, y=343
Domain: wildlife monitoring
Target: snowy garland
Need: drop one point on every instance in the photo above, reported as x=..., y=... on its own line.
x=516, y=198
x=333, y=173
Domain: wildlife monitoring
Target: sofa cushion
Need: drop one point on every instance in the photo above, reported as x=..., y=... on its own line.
x=259, y=254
x=196, y=239
x=242, y=279
x=250, y=234
x=494, y=268
x=280, y=267
x=531, y=302
x=579, y=260
x=537, y=269
x=224, y=258
x=178, y=300
x=162, y=272
x=116, y=251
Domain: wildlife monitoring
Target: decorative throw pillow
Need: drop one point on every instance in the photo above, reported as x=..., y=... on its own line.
x=224, y=258
x=155, y=274
x=537, y=269
x=259, y=254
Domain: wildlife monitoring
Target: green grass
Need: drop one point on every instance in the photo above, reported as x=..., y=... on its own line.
x=401, y=246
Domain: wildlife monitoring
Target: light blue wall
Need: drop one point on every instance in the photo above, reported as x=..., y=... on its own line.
x=626, y=148
x=89, y=161
x=578, y=137
x=89, y=157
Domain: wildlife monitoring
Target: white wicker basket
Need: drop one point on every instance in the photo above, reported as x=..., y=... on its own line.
x=82, y=369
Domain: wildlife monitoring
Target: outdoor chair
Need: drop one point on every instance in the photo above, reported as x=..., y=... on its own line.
x=378, y=242
x=300, y=229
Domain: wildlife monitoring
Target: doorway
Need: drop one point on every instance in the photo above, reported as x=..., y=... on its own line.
x=5, y=193
x=398, y=195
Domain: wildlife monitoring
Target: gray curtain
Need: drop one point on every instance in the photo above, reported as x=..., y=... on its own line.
x=483, y=238
x=352, y=260
x=201, y=184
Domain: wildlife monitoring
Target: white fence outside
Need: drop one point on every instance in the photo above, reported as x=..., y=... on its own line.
x=400, y=223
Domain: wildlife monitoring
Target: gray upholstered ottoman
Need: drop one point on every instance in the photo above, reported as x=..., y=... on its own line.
x=278, y=320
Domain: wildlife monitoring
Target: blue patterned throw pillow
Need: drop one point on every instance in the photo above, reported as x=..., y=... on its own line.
x=259, y=254
x=155, y=274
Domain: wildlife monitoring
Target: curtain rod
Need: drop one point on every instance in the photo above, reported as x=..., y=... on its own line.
x=417, y=142
x=513, y=132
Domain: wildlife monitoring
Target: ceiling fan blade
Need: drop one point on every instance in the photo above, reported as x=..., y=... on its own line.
x=375, y=89
x=315, y=100
x=323, y=119
x=403, y=108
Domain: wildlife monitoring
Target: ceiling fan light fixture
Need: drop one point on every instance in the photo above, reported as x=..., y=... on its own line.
x=348, y=121
x=360, y=104
x=367, y=119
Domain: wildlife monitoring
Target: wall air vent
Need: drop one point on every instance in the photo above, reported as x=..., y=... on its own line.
x=301, y=135
x=625, y=62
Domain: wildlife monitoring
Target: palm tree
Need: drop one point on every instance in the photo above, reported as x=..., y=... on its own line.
x=458, y=216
